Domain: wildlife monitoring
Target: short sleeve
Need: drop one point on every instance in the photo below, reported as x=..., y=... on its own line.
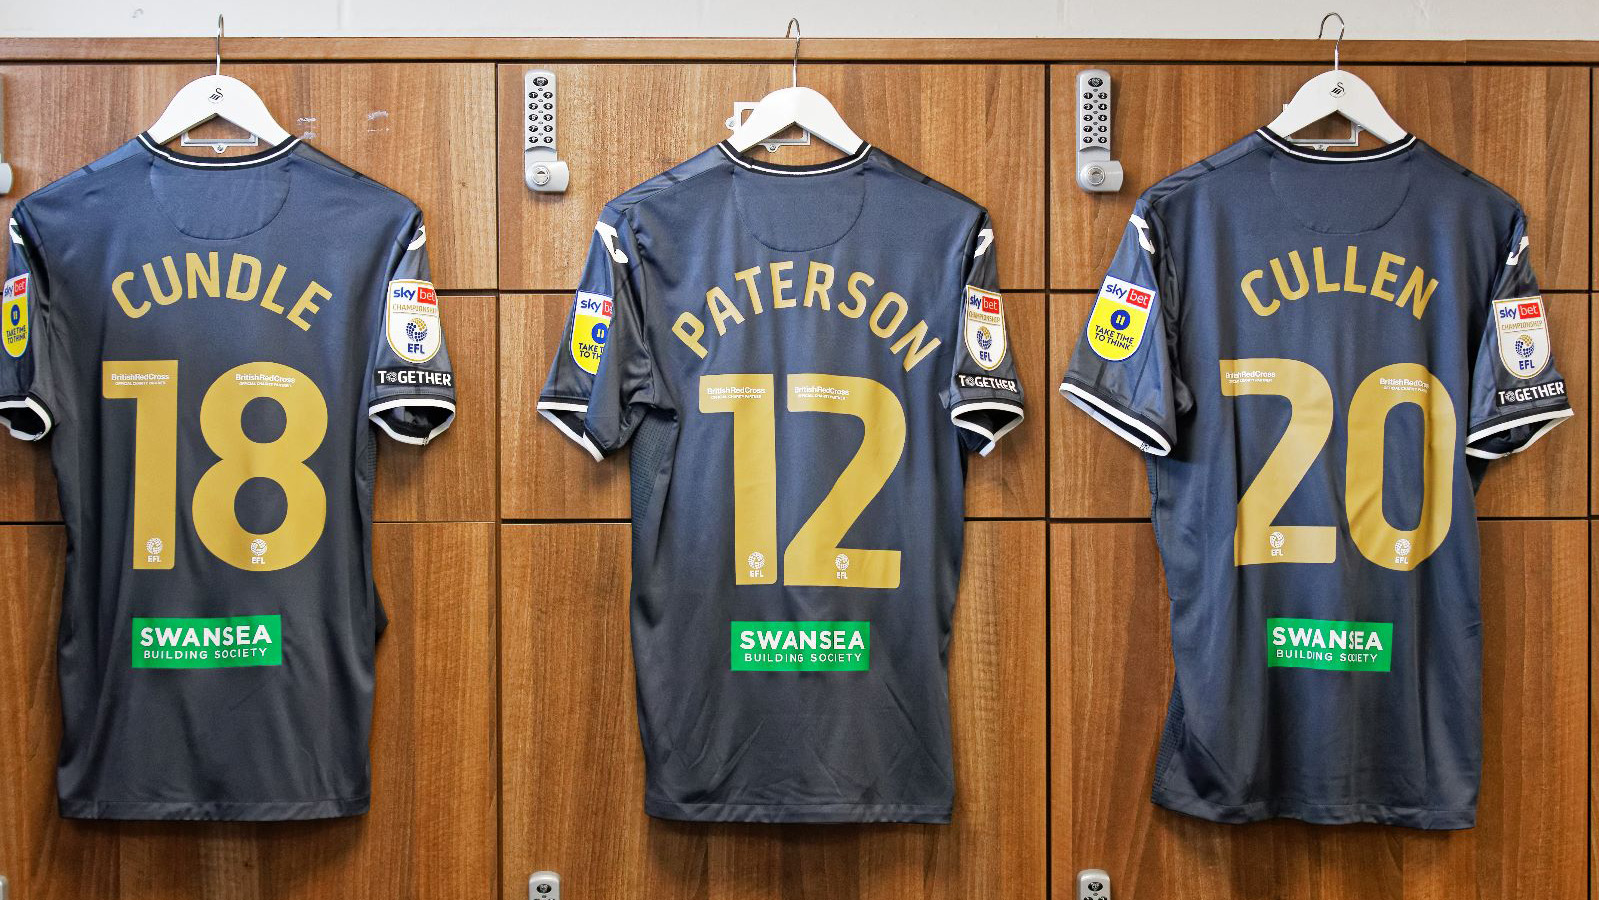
x=413, y=387
x=24, y=373
x=984, y=396
x=1122, y=371
x=1517, y=394
x=602, y=380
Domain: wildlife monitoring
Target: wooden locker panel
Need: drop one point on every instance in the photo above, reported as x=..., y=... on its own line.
x=1549, y=478
x=445, y=480
x=573, y=771
x=432, y=828
x=543, y=473
x=1519, y=127
x=425, y=130
x=1093, y=473
x=548, y=476
x=976, y=128
x=1110, y=648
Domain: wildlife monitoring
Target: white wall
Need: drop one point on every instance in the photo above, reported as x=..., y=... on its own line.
x=1428, y=19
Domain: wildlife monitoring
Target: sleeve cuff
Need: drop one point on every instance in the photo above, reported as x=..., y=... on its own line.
x=989, y=419
x=26, y=418
x=1537, y=422
x=568, y=416
x=1131, y=427
x=413, y=420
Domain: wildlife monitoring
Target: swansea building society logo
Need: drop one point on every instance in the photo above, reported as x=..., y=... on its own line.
x=214, y=643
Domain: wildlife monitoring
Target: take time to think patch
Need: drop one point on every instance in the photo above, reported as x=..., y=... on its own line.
x=1117, y=324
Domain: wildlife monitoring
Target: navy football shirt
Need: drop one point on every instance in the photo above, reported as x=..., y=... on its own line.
x=210, y=343
x=801, y=357
x=1318, y=352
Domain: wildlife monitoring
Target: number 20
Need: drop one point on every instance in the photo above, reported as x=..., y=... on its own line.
x=1256, y=540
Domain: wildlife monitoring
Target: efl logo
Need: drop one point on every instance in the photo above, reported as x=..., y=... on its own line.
x=1138, y=298
x=1528, y=311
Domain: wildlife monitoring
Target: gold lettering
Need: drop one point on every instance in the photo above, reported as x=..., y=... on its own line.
x=1413, y=288
x=914, y=339
x=304, y=303
x=1249, y=294
x=122, y=298
x=1350, y=284
x=239, y=261
x=888, y=299
x=779, y=283
x=272, y=291
x=1299, y=273
x=748, y=277
x=198, y=274
x=1384, y=276
x=860, y=298
x=172, y=276
x=722, y=309
x=689, y=329
x=817, y=285
x=1323, y=286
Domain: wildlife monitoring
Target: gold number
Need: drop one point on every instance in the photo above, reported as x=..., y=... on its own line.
x=749, y=399
x=813, y=557
x=1256, y=540
x=305, y=424
x=153, y=387
x=1378, y=540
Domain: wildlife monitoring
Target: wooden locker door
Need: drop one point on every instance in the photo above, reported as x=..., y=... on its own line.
x=574, y=779
x=1532, y=146
x=1111, y=647
x=432, y=828
x=426, y=130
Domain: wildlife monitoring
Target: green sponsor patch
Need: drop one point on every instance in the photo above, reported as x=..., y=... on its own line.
x=802, y=646
x=207, y=643
x=1324, y=644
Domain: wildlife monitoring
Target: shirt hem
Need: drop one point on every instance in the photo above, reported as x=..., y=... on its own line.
x=813, y=813
x=1446, y=819
x=279, y=811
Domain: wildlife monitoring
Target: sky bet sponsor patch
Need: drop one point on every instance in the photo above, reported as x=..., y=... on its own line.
x=1523, y=335
x=1116, y=326
x=802, y=646
x=207, y=643
x=14, y=315
x=591, y=327
x=985, y=327
x=413, y=319
x=1324, y=644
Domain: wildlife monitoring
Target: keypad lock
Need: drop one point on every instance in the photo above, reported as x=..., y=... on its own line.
x=1093, y=884
x=1096, y=171
x=541, y=170
x=544, y=886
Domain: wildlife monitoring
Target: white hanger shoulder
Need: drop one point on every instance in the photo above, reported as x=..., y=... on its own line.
x=1344, y=93
x=215, y=96
x=800, y=106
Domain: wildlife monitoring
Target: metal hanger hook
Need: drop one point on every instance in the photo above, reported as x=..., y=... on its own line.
x=1337, y=41
x=793, y=30
x=219, y=43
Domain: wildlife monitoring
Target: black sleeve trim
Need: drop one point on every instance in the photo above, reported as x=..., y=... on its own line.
x=1113, y=414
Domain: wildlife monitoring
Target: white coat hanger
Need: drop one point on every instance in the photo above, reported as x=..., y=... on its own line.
x=1337, y=92
x=217, y=96
x=794, y=105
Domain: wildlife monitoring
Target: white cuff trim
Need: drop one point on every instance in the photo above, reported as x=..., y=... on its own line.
x=547, y=409
x=38, y=409
x=374, y=409
x=993, y=436
x=1550, y=418
x=1128, y=428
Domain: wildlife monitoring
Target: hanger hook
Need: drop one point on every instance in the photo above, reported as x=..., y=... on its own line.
x=219, y=43
x=793, y=30
x=1337, y=40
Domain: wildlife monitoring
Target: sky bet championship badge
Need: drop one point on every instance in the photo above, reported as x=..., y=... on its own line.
x=590, y=327
x=14, y=315
x=985, y=327
x=1116, y=327
x=1523, y=335
x=413, y=320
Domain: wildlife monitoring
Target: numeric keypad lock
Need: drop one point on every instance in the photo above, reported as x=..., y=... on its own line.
x=541, y=170
x=1096, y=171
